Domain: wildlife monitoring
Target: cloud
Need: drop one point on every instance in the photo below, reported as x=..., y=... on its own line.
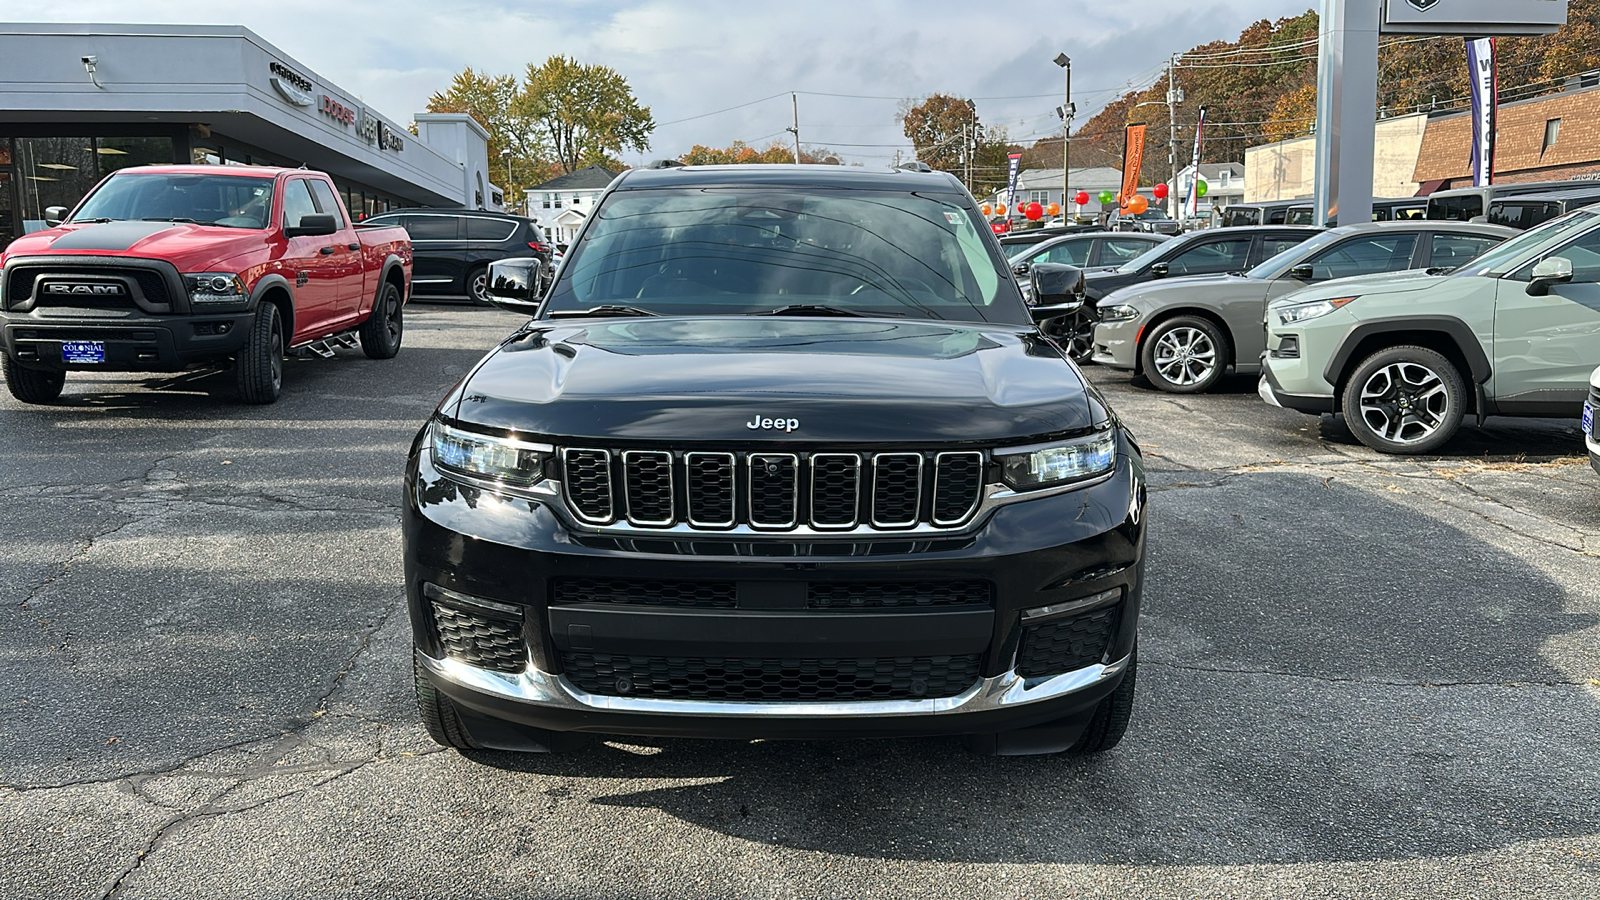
x=685, y=59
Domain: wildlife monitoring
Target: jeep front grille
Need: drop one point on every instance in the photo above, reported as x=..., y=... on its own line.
x=773, y=491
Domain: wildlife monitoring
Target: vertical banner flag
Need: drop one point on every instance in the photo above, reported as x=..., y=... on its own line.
x=1132, y=162
x=1191, y=204
x=1011, y=180
x=1485, y=99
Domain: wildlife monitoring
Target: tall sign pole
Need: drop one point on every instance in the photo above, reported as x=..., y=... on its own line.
x=1347, y=103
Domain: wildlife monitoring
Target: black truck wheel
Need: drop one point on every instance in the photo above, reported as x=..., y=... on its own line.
x=258, y=367
x=1111, y=717
x=382, y=331
x=32, y=385
x=1404, y=400
x=439, y=715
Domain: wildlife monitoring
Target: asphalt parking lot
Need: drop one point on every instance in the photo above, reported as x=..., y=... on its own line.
x=1361, y=677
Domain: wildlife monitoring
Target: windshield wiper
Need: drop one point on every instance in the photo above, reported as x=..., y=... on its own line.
x=810, y=309
x=99, y=221
x=173, y=219
x=596, y=311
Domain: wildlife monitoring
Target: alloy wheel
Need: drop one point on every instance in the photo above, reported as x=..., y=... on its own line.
x=480, y=287
x=1404, y=402
x=1185, y=356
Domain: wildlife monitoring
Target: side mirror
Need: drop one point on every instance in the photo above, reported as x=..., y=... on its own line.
x=312, y=226
x=1058, y=290
x=1303, y=272
x=1019, y=269
x=1551, y=271
x=514, y=284
x=53, y=215
x=1160, y=270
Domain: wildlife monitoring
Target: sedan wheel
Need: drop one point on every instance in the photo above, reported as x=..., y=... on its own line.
x=478, y=285
x=1186, y=355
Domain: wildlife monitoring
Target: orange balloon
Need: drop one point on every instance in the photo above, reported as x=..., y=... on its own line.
x=1000, y=209
x=1053, y=209
x=985, y=209
x=1138, y=204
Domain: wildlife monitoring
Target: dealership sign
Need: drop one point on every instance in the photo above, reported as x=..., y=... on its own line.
x=368, y=127
x=291, y=85
x=1473, y=17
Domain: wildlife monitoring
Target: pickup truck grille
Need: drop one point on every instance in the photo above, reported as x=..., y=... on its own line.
x=773, y=491
x=26, y=281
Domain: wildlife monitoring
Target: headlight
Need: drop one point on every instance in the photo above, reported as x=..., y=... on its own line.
x=215, y=287
x=485, y=456
x=1119, y=313
x=1313, y=309
x=1059, y=463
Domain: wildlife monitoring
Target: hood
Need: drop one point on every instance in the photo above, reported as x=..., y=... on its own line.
x=1190, y=288
x=1366, y=285
x=837, y=381
x=189, y=247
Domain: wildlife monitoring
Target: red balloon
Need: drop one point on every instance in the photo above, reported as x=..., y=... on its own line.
x=1161, y=191
x=1034, y=211
x=1082, y=198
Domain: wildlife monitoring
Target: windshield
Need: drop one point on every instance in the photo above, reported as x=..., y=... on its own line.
x=740, y=250
x=231, y=201
x=1278, y=266
x=1505, y=257
x=1149, y=256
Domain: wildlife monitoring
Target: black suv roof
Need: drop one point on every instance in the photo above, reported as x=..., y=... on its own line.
x=455, y=211
x=788, y=176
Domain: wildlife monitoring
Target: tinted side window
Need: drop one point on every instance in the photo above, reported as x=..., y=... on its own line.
x=325, y=201
x=433, y=228
x=1454, y=249
x=1277, y=216
x=1455, y=209
x=1071, y=253
x=1211, y=258
x=1116, y=251
x=488, y=229
x=1365, y=256
x=297, y=202
x=1583, y=253
x=1272, y=246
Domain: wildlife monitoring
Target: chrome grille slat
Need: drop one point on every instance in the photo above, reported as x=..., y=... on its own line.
x=816, y=493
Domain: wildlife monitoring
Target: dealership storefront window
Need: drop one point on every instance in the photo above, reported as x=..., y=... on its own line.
x=38, y=171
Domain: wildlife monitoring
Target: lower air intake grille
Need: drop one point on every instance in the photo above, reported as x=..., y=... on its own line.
x=910, y=595
x=479, y=640
x=1068, y=644
x=698, y=594
x=771, y=680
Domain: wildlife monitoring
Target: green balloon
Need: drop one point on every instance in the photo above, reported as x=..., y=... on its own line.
x=1106, y=197
x=1201, y=189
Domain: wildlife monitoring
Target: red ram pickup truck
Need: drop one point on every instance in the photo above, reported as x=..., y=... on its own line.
x=164, y=267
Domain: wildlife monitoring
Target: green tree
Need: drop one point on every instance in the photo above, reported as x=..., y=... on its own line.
x=588, y=113
x=936, y=127
x=491, y=100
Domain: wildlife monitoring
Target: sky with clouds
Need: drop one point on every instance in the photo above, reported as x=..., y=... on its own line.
x=852, y=61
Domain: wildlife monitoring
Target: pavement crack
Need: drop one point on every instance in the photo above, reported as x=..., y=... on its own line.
x=1385, y=682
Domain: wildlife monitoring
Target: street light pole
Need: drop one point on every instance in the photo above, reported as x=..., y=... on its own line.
x=1067, y=110
x=1174, y=96
x=794, y=103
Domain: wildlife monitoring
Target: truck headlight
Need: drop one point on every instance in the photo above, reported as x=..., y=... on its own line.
x=1118, y=313
x=1060, y=462
x=1311, y=309
x=486, y=456
x=215, y=287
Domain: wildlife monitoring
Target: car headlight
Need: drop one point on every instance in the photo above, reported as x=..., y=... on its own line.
x=1058, y=463
x=215, y=287
x=1118, y=313
x=486, y=456
x=1311, y=309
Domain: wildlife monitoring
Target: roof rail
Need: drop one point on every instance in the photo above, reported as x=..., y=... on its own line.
x=915, y=165
x=664, y=164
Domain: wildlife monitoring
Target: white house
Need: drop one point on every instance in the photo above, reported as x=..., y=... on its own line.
x=560, y=205
x=1224, y=185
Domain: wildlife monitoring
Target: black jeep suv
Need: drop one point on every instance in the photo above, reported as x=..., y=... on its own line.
x=780, y=455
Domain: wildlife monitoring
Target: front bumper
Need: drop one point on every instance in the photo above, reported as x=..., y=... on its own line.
x=1080, y=552
x=133, y=343
x=1116, y=344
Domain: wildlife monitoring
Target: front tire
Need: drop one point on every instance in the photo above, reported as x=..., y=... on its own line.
x=32, y=385
x=439, y=716
x=478, y=285
x=1185, y=355
x=1404, y=400
x=258, y=368
x=1111, y=717
x=382, y=332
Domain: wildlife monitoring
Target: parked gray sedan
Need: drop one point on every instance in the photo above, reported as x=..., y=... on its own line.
x=1183, y=334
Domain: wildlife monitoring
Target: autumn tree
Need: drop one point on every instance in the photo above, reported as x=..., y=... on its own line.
x=740, y=153
x=943, y=128
x=587, y=113
x=490, y=100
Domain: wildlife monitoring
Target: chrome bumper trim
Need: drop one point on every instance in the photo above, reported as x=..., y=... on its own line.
x=554, y=691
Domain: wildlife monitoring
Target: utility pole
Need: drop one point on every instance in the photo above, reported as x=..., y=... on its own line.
x=1067, y=110
x=1174, y=97
x=794, y=102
